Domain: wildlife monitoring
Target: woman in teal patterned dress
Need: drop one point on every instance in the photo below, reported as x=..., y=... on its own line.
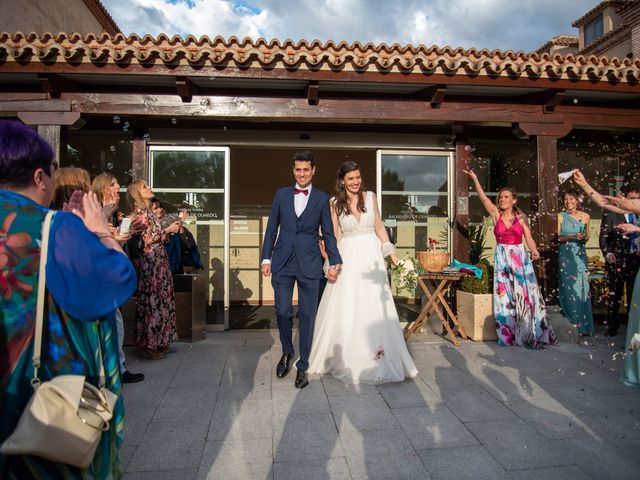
x=631, y=372
x=573, y=279
x=88, y=275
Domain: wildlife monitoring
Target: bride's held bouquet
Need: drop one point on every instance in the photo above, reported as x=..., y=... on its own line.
x=406, y=273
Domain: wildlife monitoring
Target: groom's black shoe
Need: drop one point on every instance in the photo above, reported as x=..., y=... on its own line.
x=301, y=379
x=284, y=365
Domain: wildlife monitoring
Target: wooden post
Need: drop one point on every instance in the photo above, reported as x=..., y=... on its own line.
x=544, y=213
x=461, y=200
x=52, y=134
x=139, y=159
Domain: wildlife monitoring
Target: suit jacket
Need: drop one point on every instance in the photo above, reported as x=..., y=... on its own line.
x=612, y=240
x=287, y=233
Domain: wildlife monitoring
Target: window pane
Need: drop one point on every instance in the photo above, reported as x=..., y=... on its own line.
x=202, y=206
x=188, y=169
x=414, y=173
x=98, y=153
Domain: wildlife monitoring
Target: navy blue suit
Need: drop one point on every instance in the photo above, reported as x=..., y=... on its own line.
x=291, y=243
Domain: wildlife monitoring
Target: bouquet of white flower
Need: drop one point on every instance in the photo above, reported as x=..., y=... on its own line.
x=406, y=274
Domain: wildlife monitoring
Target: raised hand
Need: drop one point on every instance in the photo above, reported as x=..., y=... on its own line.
x=579, y=177
x=627, y=228
x=471, y=174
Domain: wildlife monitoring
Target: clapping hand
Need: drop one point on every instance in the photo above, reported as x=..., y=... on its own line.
x=627, y=228
x=87, y=207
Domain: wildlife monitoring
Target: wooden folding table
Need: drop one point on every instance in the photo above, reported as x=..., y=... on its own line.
x=434, y=286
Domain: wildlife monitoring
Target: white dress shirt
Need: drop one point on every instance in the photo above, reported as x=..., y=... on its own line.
x=300, y=200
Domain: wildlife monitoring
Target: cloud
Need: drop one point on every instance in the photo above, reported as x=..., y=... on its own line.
x=491, y=24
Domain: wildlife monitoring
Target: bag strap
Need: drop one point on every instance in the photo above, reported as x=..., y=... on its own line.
x=42, y=286
x=42, y=282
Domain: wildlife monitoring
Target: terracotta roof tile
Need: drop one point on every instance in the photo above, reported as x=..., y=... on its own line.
x=561, y=40
x=166, y=51
x=598, y=8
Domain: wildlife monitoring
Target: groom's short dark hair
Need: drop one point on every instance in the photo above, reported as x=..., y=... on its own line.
x=304, y=156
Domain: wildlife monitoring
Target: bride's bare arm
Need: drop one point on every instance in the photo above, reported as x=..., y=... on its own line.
x=337, y=231
x=388, y=249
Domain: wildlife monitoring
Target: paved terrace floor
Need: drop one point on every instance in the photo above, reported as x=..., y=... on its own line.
x=216, y=410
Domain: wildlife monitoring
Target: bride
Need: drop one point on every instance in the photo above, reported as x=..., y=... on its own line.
x=357, y=336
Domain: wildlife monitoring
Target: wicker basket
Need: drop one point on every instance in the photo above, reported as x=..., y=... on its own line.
x=433, y=261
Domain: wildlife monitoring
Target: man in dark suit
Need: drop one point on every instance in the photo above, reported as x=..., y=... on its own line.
x=622, y=260
x=290, y=254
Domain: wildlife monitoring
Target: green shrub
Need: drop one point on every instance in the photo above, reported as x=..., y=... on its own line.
x=472, y=284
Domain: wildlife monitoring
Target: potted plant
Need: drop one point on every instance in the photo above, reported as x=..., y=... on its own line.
x=474, y=297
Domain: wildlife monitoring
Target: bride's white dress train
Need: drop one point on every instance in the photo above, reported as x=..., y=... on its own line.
x=357, y=336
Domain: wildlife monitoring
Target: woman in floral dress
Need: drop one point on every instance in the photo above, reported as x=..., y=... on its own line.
x=518, y=306
x=155, y=308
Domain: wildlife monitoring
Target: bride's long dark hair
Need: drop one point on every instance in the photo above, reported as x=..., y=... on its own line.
x=341, y=201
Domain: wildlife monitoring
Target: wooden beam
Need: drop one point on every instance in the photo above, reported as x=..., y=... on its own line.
x=50, y=118
x=313, y=93
x=54, y=85
x=434, y=95
x=527, y=129
x=185, y=88
x=285, y=109
x=57, y=105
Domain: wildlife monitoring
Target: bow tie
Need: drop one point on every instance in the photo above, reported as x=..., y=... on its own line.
x=301, y=190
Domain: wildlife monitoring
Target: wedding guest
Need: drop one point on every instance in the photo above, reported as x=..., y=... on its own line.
x=622, y=260
x=631, y=373
x=107, y=190
x=155, y=307
x=67, y=181
x=573, y=275
x=519, y=308
x=86, y=275
x=357, y=337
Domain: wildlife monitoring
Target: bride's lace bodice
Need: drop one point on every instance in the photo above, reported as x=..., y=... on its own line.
x=349, y=224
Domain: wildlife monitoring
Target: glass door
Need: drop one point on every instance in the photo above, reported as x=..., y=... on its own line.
x=414, y=191
x=197, y=178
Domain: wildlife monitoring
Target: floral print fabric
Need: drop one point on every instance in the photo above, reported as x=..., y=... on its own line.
x=156, y=308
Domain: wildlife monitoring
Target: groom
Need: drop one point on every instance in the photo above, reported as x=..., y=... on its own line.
x=292, y=255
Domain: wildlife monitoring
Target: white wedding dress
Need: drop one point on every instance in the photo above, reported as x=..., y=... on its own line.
x=357, y=336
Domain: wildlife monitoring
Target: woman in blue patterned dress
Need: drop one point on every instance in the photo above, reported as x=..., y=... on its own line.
x=573, y=275
x=88, y=275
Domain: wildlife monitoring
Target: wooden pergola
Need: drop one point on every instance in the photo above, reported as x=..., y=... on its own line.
x=56, y=81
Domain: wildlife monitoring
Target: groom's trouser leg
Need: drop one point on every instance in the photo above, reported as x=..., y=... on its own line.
x=282, y=283
x=307, y=307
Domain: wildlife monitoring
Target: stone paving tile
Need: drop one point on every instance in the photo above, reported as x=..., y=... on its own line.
x=458, y=463
x=305, y=437
x=191, y=474
x=517, y=445
x=246, y=385
x=433, y=427
x=169, y=446
x=335, y=387
x=330, y=469
x=474, y=404
x=232, y=451
x=362, y=412
x=571, y=472
x=381, y=454
x=199, y=371
x=410, y=393
x=600, y=459
x=246, y=419
x=189, y=405
x=289, y=400
x=262, y=470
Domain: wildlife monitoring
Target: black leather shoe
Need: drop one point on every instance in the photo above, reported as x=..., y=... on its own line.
x=301, y=379
x=128, y=377
x=284, y=365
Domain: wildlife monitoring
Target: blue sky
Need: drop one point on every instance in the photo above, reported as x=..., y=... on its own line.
x=504, y=24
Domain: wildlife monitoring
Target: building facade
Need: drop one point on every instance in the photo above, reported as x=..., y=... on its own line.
x=213, y=123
